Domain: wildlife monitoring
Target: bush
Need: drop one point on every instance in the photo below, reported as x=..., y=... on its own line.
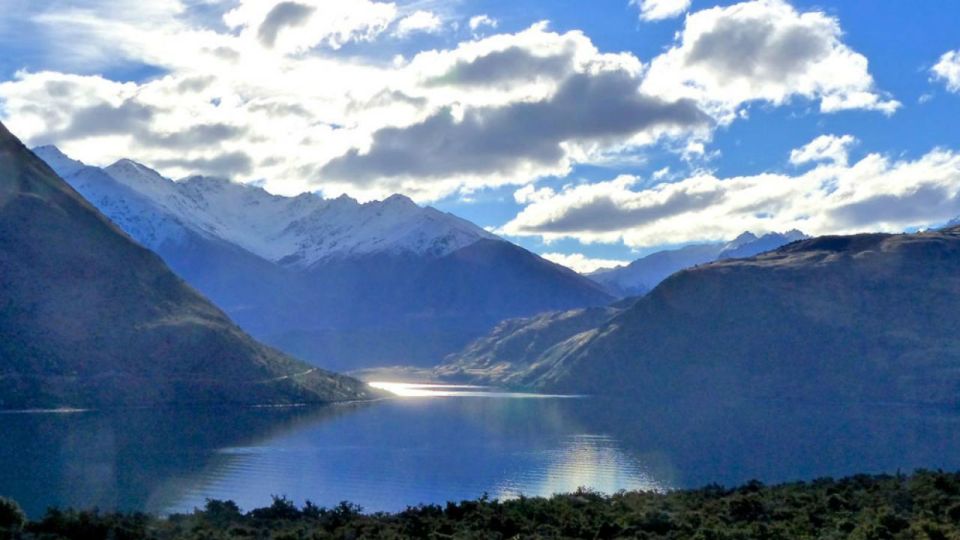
x=12, y=517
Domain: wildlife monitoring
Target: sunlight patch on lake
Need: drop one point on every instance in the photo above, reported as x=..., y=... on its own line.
x=409, y=390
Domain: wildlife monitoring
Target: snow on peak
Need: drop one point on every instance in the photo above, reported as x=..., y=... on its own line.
x=57, y=160
x=299, y=230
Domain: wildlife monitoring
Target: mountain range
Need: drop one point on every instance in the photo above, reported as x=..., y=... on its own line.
x=642, y=275
x=834, y=319
x=90, y=318
x=343, y=284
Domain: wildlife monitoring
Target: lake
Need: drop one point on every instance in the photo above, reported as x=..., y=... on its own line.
x=453, y=443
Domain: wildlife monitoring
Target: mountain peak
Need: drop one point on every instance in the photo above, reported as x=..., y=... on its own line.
x=343, y=200
x=399, y=200
x=744, y=238
x=127, y=169
x=306, y=228
x=61, y=163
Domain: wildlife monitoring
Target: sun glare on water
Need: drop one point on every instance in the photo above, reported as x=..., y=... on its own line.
x=409, y=390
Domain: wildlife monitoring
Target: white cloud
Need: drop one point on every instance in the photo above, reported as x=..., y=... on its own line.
x=873, y=194
x=581, y=263
x=240, y=96
x=764, y=50
x=831, y=148
x=529, y=194
x=656, y=10
x=418, y=21
x=290, y=128
x=296, y=26
x=947, y=70
x=512, y=108
x=479, y=21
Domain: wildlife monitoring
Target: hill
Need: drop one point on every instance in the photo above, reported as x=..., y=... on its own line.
x=89, y=318
x=840, y=318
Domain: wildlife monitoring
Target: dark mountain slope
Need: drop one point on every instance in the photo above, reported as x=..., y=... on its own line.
x=858, y=318
x=90, y=318
x=388, y=309
x=517, y=348
x=342, y=284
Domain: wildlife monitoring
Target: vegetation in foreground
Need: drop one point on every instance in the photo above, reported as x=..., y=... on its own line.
x=925, y=505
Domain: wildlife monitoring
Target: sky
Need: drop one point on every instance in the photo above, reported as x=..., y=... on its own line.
x=590, y=132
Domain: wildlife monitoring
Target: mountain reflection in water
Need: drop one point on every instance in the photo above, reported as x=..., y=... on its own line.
x=400, y=452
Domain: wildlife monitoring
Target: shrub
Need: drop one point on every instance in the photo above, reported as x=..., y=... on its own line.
x=12, y=517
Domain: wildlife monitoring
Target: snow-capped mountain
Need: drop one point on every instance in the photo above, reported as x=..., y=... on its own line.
x=300, y=230
x=642, y=275
x=136, y=214
x=749, y=244
x=334, y=281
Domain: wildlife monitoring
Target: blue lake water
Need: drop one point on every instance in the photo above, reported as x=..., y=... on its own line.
x=448, y=444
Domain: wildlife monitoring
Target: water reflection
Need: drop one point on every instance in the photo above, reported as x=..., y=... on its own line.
x=583, y=461
x=131, y=460
x=402, y=452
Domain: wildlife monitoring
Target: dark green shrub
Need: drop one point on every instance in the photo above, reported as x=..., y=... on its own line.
x=12, y=517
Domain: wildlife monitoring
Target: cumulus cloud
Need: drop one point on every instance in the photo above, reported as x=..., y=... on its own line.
x=92, y=116
x=479, y=21
x=418, y=21
x=875, y=193
x=824, y=148
x=764, y=50
x=294, y=27
x=222, y=166
x=579, y=262
x=947, y=70
x=520, y=137
x=655, y=10
x=529, y=193
x=506, y=66
x=506, y=109
x=284, y=14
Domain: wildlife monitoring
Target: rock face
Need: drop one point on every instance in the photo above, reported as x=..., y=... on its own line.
x=866, y=318
x=342, y=284
x=89, y=318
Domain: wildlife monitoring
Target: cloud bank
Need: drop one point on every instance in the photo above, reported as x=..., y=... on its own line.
x=873, y=194
x=265, y=79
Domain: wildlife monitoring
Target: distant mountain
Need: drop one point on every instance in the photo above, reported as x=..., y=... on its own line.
x=748, y=244
x=343, y=284
x=88, y=318
x=869, y=318
x=517, y=350
x=643, y=274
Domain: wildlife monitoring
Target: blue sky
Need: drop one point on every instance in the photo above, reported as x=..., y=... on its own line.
x=600, y=130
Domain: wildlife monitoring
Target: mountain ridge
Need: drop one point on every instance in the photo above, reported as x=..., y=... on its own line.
x=342, y=284
x=645, y=273
x=90, y=318
x=836, y=318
